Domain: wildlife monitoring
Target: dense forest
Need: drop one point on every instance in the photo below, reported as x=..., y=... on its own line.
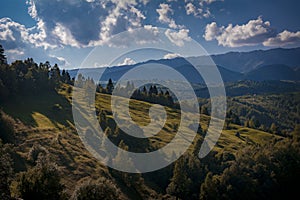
x=256, y=158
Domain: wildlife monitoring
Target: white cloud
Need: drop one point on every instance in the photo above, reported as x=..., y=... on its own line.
x=163, y=11
x=15, y=51
x=212, y=31
x=144, y=35
x=284, y=38
x=191, y=9
x=178, y=38
x=61, y=60
x=20, y=42
x=64, y=35
x=127, y=61
x=17, y=35
x=171, y=55
x=199, y=9
x=253, y=33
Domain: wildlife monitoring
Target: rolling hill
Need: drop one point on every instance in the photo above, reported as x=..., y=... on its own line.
x=39, y=126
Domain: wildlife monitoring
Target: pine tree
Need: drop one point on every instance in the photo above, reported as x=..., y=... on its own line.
x=180, y=182
x=2, y=56
x=109, y=86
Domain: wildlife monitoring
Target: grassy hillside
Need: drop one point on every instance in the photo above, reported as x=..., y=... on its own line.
x=44, y=123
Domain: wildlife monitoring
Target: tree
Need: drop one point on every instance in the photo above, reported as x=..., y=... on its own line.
x=2, y=56
x=41, y=181
x=109, y=86
x=209, y=189
x=94, y=190
x=65, y=77
x=55, y=75
x=180, y=182
x=122, y=160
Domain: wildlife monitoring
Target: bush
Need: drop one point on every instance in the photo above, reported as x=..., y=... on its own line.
x=103, y=189
x=41, y=181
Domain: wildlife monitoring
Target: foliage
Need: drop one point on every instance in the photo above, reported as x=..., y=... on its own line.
x=257, y=173
x=6, y=171
x=41, y=181
x=27, y=77
x=102, y=188
x=7, y=132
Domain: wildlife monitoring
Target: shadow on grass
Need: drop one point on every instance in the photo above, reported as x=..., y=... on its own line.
x=54, y=106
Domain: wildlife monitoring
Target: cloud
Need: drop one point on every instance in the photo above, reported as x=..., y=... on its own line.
x=199, y=8
x=191, y=9
x=127, y=61
x=20, y=42
x=171, y=55
x=212, y=31
x=163, y=11
x=253, y=33
x=61, y=61
x=178, y=38
x=64, y=35
x=86, y=22
x=16, y=35
x=284, y=38
x=144, y=35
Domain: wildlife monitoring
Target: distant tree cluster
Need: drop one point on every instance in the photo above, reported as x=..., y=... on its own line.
x=149, y=93
x=28, y=77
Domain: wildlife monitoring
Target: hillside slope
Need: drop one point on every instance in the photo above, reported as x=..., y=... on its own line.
x=38, y=122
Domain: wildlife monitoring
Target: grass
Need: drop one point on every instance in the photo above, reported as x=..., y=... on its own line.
x=38, y=122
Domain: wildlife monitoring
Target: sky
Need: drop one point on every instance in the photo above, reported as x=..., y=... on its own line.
x=66, y=31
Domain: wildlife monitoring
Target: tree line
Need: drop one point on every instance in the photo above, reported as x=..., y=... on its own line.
x=27, y=77
x=149, y=93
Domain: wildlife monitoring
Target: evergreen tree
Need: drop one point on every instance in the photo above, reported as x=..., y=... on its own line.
x=180, y=182
x=109, y=86
x=2, y=56
x=55, y=75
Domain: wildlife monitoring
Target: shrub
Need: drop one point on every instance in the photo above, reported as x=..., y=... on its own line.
x=41, y=181
x=93, y=190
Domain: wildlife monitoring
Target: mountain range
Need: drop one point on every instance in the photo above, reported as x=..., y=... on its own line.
x=259, y=65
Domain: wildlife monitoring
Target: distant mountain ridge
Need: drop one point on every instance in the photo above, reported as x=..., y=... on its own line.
x=259, y=65
x=247, y=61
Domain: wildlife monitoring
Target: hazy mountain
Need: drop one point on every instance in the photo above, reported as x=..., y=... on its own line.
x=273, y=72
x=248, y=61
x=274, y=64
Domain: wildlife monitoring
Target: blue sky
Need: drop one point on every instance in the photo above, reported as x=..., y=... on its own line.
x=66, y=31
